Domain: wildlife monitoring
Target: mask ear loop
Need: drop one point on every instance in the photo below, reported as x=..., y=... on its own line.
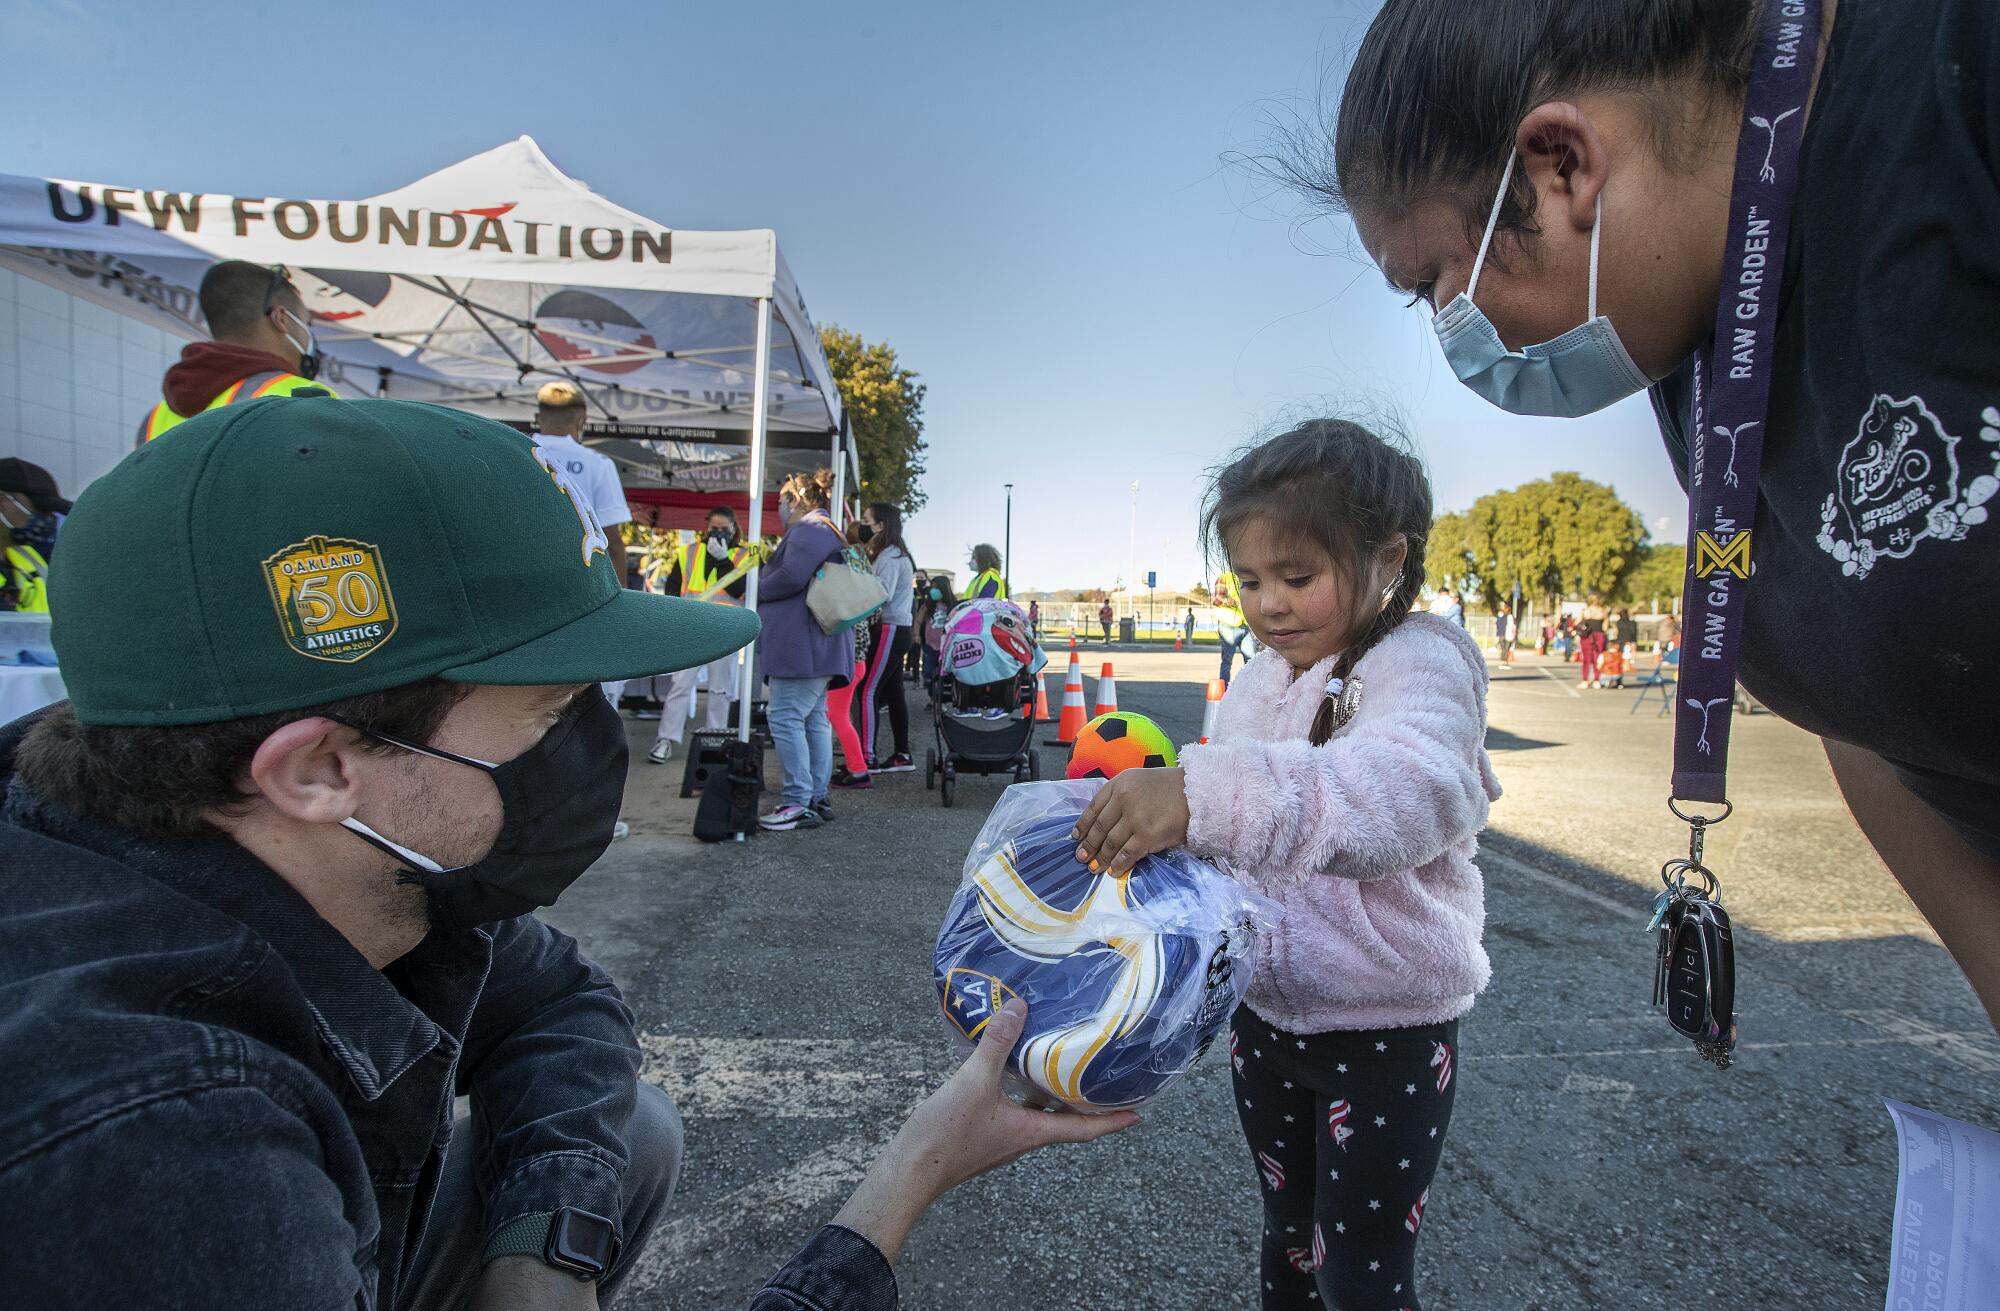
x=1492, y=221
x=1596, y=226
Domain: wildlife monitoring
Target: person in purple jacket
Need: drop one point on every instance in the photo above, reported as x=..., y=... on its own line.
x=799, y=657
x=1347, y=779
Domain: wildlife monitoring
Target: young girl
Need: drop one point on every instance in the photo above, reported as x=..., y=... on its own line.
x=1347, y=779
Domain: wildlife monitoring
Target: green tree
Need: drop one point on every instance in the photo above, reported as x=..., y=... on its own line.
x=1450, y=558
x=1554, y=536
x=1660, y=574
x=885, y=404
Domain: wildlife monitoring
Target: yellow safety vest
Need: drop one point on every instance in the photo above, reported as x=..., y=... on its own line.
x=978, y=587
x=163, y=417
x=1232, y=606
x=31, y=577
x=699, y=571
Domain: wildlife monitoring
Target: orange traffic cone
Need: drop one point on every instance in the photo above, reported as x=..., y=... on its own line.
x=1073, y=718
x=1042, y=715
x=1177, y=641
x=1107, y=691
x=1213, y=710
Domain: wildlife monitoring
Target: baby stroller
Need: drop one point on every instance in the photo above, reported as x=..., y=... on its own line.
x=984, y=716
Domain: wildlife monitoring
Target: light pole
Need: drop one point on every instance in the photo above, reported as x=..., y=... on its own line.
x=1132, y=546
x=1007, y=550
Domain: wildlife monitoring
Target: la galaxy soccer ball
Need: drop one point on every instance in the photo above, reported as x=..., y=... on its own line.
x=1118, y=1006
x=1121, y=740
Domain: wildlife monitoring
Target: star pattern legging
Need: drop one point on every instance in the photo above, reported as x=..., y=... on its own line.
x=1346, y=1129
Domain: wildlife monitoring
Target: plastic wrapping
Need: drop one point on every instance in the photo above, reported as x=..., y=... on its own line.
x=1127, y=980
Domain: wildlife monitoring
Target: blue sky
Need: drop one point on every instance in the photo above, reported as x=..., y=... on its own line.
x=1029, y=202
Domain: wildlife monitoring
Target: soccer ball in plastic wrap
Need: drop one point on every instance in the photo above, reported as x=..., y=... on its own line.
x=1113, y=743
x=1127, y=980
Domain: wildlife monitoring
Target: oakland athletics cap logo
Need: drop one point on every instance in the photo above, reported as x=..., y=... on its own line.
x=332, y=596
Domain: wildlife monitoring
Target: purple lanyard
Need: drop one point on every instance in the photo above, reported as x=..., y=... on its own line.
x=1732, y=390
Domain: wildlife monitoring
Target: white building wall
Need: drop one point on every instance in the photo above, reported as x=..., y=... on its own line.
x=75, y=380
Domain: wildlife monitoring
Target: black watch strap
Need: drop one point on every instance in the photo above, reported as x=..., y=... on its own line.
x=568, y=1239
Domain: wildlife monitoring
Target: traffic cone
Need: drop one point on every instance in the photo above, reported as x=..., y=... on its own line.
x=1073, y=718
x=1177, y=641
x=1107, y=691
x=1042, y=715
x=1213, y=710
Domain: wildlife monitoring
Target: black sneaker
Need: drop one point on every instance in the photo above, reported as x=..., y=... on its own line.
x=897, y=764
x=824, y=809
x=843, y=778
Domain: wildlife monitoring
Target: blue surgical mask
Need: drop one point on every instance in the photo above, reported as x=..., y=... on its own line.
x=1578, y=373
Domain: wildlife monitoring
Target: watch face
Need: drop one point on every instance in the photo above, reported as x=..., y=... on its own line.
x=581, y=1242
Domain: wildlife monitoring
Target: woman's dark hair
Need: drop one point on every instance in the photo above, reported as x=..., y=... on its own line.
x=157, y=781
x=891, y=533
x=1438, y=88
x=813, y=490
x=985, y=556
x=1345, y=491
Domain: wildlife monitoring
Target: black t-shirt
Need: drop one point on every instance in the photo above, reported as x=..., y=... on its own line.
x=1874, y=613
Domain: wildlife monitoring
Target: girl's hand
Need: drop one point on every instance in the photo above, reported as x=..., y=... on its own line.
x=1138, y=813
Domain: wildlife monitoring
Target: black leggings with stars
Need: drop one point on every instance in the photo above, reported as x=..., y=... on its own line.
x=1346, y=1129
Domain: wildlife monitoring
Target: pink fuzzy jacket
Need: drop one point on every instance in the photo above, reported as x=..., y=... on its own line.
x=1367, y=842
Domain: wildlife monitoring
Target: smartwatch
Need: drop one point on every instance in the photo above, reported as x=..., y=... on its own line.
x=569, y=1239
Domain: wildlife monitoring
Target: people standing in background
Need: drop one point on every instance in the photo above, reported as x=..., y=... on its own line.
x=696, y=570
x=262, y=346
x=559, y=417
x=1230, y=629
x=1447, y=605
x=32, y=510
x=1187, y=626
x=840, y=693
x=1503, y=632
x=1035, y=615
x=987, y=584
x=919, y=592
x=1104, y=621
x=1591, y=642
x=889, y=638
x=799, y=657
x=1625, y=632
x=936, y=613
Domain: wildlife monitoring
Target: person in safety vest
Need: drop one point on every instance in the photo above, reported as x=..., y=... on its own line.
x=697, y=569
x=32, y=511
x=1230, y=629
x=263, y=346
x=986, y=582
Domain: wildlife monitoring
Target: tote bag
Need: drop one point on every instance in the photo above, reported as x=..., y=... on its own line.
x=843, y=592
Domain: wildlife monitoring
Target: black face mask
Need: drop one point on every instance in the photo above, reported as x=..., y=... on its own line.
x=866, y=532
x=559, y=802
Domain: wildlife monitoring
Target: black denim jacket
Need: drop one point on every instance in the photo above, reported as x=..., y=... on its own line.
x=208, y=1098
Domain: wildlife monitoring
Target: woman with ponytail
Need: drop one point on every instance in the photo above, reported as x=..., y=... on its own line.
x=1347, y=779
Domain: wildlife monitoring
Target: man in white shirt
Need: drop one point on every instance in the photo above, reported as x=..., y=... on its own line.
x=559, y=416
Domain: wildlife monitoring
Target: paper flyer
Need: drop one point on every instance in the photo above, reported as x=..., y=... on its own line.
x=1946, y=1252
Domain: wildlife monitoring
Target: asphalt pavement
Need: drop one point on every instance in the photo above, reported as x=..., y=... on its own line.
x=783, y=990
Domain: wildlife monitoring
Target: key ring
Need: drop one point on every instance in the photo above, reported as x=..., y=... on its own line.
x=1674, y=875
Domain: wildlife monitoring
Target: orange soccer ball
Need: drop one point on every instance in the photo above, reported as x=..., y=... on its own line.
x=1121, y=740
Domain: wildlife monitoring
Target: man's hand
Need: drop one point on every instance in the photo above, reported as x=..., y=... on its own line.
x=1138, y=813
x=522, y=1283
x=962, y=1130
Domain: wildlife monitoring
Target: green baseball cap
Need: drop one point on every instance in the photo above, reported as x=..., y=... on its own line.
x=296, y=550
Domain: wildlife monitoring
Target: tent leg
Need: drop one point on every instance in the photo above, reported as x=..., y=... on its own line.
x=760, y=413
x=840, y=471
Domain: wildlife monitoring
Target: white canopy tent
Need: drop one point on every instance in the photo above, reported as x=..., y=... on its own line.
x=474, y=286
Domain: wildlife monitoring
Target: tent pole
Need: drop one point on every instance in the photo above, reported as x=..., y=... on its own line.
x=760, y=414
x=840, y=468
